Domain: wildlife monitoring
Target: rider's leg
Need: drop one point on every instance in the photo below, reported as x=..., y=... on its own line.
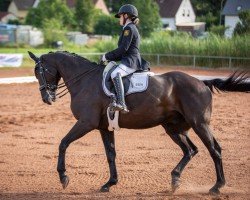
x=116, y=76
x=120, y=104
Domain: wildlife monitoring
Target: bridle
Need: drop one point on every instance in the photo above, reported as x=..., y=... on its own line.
x=42, y=70
x=51, y=87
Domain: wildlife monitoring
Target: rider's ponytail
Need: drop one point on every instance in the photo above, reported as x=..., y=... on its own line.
x=135, y=20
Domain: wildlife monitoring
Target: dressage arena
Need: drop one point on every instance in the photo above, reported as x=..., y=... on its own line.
x=30, y=133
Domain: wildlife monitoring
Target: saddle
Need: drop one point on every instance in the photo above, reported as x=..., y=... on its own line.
x=133, y=83
x=136, y=82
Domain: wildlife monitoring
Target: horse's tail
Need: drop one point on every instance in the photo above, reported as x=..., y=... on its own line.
x=238, y=82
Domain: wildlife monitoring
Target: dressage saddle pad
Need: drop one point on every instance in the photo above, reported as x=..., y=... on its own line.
x=133, y=83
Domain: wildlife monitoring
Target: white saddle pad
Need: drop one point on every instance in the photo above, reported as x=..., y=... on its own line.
x=138, y=81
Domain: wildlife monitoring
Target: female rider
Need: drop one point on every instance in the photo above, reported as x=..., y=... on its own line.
x=127, y=52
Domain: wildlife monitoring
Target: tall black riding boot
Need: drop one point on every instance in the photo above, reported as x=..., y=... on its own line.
x=120, y=105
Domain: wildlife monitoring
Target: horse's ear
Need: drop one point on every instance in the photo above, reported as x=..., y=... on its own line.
x=33, y=57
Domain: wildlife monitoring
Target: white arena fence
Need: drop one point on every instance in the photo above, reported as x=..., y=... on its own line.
x=176, y=60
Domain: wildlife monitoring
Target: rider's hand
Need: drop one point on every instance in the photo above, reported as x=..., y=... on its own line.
x=103, y=60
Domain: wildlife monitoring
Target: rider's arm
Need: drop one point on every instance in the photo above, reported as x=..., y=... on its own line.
x=123, y=46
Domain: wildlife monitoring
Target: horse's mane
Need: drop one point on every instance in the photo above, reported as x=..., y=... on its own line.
x=79, y=58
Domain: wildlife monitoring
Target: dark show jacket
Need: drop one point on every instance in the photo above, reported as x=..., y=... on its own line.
x=128, y=48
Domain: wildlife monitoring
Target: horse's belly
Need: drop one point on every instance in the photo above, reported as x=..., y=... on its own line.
x=147, y=119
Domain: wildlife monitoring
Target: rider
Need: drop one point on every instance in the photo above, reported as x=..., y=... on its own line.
x=127, y=52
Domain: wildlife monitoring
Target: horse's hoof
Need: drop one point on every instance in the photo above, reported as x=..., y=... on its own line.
x=214, y=191
x=175, y=185
x=104, y=188
x=65, y=182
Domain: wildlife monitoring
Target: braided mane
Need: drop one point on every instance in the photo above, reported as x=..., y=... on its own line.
x=77, y=57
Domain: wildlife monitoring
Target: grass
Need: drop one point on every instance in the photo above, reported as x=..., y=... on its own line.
x=27, y=62
x=41, y=50
x=184, y=44
x=168, y=43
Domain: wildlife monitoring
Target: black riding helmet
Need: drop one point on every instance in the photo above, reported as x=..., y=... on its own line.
x=127, y=9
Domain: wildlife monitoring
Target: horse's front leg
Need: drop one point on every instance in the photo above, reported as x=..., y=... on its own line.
x=109, y=144
x=77, y=131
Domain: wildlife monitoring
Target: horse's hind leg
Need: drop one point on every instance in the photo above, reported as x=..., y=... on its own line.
x=109, y=144
x=204, y=133
x=189, y=150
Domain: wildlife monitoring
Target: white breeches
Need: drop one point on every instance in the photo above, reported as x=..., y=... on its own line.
x=123, y=70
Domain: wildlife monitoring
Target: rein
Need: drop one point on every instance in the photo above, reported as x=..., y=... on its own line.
x=53, y=87
x=70, y=83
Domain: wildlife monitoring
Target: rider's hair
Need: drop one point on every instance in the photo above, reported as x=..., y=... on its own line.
x=134, y=19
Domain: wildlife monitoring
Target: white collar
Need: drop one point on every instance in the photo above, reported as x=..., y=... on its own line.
x=127, y=23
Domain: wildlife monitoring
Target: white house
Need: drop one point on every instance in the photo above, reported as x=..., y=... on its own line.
x=231, y=12
x=175, y=12
x=20, y=8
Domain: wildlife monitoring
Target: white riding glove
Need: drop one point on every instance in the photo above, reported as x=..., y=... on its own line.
x=103, y=59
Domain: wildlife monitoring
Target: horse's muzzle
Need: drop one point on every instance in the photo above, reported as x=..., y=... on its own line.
x=48, y=97
x=52, y=95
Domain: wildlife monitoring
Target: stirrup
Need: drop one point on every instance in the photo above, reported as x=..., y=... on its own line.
x=116, y=107
x=119, y=107
x=125, y=110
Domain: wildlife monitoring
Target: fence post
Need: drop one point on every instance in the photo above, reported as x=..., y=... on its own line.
x=230, y=62
x=158, y=59
x=194, y=61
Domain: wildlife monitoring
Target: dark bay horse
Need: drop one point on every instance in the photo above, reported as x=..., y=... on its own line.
x=174, y=100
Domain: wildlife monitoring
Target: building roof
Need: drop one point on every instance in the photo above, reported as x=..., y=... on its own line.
x=24, y=4
x=3, y=14
x=168, y=8
x=233, y=7
x=8, y=16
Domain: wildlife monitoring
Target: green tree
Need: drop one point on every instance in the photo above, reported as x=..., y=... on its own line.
x=148, y=13
x=209, y=19
x=243, y=27
x=107, y=25
x=53, y=9
x=218, y=30
x=53, y=31
x=208, y=11
x=114, y=5
x=14, y=21
x=84, y=15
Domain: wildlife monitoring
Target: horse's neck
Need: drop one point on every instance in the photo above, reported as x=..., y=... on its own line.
x=69, y=71
x=69, y=68
x=74, y=75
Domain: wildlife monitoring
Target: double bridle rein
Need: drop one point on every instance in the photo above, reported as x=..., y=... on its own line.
x=51, y=87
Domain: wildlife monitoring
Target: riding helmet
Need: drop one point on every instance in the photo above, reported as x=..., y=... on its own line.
x=127, y=9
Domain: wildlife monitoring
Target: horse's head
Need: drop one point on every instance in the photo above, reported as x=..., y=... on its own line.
x=47, y=75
